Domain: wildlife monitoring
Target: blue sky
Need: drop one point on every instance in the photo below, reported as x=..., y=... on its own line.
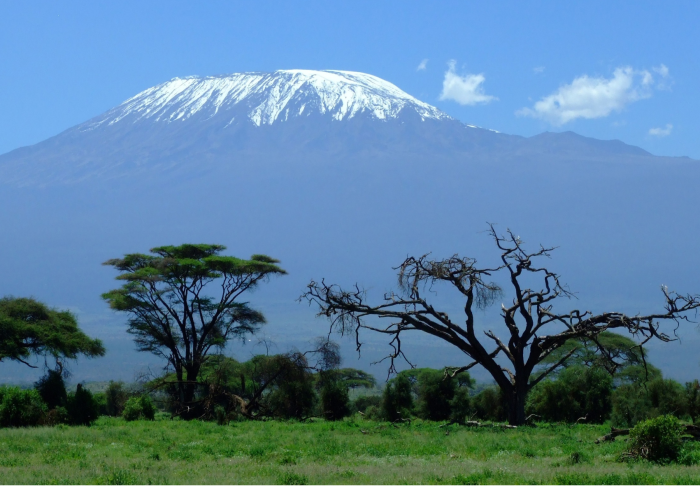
x=611, y=70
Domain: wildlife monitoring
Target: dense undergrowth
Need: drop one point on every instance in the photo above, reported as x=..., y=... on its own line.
x=350, y=451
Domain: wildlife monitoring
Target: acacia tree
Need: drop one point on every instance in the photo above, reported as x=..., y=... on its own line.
x=30, y=328
x=170, y=313
x=532, y=329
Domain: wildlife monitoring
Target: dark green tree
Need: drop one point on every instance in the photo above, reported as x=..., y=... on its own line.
x=335, y=398
x=170, y=311
x=82, y=407
x=52, y=389
x=116, y=397
x=397, y=400
x=30, y=328
x=578, y=392
x=620, y=356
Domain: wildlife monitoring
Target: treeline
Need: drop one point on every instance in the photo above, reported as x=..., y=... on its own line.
x=286, y=386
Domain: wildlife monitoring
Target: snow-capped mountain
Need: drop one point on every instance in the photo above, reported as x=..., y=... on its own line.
x=193, y=125
x=265, y=98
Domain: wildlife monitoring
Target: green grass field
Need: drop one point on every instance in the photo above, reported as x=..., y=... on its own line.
x=350, y=452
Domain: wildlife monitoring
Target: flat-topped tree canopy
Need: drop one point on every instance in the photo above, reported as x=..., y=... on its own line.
x=30, y=328
x=173, y=314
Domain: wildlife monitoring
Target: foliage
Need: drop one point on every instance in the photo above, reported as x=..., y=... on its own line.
x=397, y=400
x=577, y=392
x=363, y=403
x=52, y=389
x=434, y=392
x=82, y=407
x=139, y=408
x=21, y=408
x=610, y=351
x=291, y=393
x=692, y=400
x=461, y=406
x=116, y=397
x=490, y=404
x=171, y=313
x=634, y=403
x=335, y=399
x=657, y=440
x=30, y=328
x=355, y=379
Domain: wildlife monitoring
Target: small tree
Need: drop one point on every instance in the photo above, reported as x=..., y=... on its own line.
x=52, y=389
x=532, y=329
x=82, y=407
x=335, y=400
x=30, y=328
x=397, y=400
x=170, y=313
x=115, y=398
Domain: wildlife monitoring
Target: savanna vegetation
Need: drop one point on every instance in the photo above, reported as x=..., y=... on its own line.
x=574, y=400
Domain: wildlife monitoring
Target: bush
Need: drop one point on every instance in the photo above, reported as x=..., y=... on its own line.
x=435, y=391
x=460, y=405
x=115, y=398
x=577, y=392
x=362, y=403
x=82, y=407
x=490, y=404
x=335, y=401
x=657, y=440
x=397, y=400
x=21, y=408
x=52, y=389
x=635, y=403
x=692, y=400
x=58, y=415
x=139, y=408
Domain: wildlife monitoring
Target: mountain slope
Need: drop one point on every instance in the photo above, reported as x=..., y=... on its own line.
x=190, y=126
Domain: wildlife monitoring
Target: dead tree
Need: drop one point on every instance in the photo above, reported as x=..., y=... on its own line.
x=532, y=330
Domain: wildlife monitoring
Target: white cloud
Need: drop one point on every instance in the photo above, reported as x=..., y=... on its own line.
x=423, y=65
x=595, y=97
x=467, y=90
x=661, y=70
x=661, y=132
x=538, y=69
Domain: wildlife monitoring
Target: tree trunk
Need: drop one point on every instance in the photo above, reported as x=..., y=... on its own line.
x=516, y=406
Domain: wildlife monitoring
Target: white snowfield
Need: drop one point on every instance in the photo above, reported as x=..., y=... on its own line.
x=269, y=97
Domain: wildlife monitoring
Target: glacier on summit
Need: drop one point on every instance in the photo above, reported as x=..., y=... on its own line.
x=270, y=97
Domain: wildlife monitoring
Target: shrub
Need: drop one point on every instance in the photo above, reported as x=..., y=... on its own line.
x=435, y=391
x=635, y=403
x=692, y=400
x=21, y=408
x=362, y=403
x=577, y=392
x=52, y=389
x=82, y=407
x=335, y=401
x=657, y=440
x=490, y=404
x=139, y=408
x=397, y=400
x=58, y=415
x=460, y=405
x=115, y=398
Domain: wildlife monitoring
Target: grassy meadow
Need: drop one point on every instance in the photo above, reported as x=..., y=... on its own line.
x=352, y=451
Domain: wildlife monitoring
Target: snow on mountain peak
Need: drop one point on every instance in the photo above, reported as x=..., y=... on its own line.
x=269, y=97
